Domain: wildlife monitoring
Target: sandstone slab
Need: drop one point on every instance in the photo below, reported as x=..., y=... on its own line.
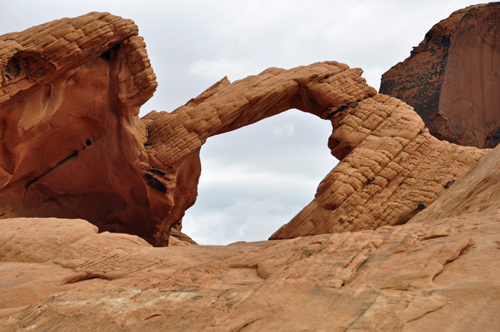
x=437, y=275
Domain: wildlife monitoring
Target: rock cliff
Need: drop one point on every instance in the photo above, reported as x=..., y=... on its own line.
x=452, y=77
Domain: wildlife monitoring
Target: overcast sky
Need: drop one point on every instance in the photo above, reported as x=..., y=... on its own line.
x=257, y=178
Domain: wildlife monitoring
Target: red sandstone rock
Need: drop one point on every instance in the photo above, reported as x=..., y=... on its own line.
x=390, y=166
x=451, y=78
x=73, y=146
x=72, y=142
x=437, y=273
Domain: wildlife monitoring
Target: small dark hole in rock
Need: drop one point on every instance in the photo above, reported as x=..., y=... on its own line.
x=106, y=55
x=88, y=142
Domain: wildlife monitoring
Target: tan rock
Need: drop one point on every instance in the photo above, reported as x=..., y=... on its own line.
x=431, y=276
x=451, y=77
x=390, y=166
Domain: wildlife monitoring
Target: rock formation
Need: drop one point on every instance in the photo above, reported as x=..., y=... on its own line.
x=390, y=166
x=439, y=275
x=452, y=78
x=73, y=146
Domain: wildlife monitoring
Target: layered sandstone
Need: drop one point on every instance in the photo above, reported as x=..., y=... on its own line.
x=73, y=146
x=390, y=166
x=452, y=77
x=438, y=275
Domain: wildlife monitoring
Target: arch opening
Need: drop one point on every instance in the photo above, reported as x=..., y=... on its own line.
x=257, y=178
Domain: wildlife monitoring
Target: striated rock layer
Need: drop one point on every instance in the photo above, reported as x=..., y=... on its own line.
x=390, y=166
x=438, y=275
x=72, y=145
x=71, y=141
x=452, y=78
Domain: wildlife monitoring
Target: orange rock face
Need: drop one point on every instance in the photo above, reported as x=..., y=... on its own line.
x=73, y=146
x=390, y=166
x=451, y=78
x=72, y=142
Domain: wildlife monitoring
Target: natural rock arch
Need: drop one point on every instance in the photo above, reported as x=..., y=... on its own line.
x=72, y=144
x=390, y=166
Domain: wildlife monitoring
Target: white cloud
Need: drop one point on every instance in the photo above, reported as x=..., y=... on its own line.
x=243, y=220
x=214, y=70
x=283, y=130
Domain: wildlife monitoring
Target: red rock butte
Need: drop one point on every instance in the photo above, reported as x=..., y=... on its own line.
x=74, y=147
x=402, y=235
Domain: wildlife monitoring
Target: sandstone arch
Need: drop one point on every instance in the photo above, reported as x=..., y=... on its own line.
x=139, y=176
x=390, y=166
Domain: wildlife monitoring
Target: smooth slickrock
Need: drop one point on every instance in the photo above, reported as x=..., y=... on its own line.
x=437, y=275
x=452, y=78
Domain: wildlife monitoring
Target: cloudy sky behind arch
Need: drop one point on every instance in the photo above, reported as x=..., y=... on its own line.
x=194, y=43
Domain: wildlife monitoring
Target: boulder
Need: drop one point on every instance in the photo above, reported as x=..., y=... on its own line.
x=452, y=78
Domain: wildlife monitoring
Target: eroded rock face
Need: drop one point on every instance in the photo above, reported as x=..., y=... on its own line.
x=73, y=146
x=390, y=166
x=451, y=78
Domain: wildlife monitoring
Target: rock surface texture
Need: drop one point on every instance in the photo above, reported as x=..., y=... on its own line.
x=452, y=78
x=73, y=146
x=439, y=275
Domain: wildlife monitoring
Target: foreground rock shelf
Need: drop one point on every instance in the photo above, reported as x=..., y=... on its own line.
x=431, y=276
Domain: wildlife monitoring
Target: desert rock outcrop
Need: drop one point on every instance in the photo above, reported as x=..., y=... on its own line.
x=390, y=166
x=404, y=233
x=452, y=78
x=73, y=145
x=438, y=275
